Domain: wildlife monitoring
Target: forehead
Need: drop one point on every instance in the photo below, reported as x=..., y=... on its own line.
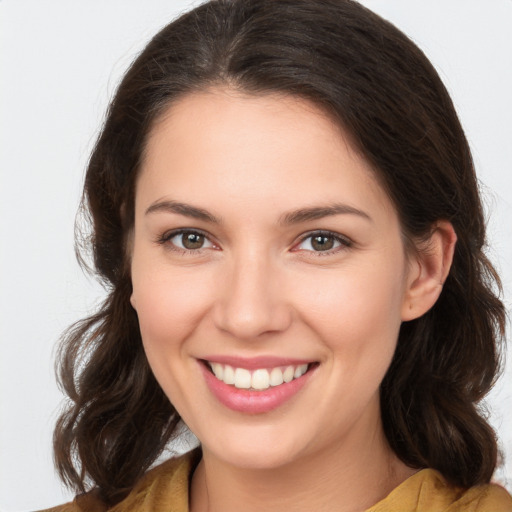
x=273, y=148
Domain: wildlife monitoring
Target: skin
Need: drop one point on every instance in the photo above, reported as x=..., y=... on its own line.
x=258, y=287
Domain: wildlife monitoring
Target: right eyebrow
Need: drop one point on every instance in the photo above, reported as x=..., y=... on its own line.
x=183, y=209
x=319, y=212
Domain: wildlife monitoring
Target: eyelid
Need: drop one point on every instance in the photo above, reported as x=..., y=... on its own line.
x=343, y=240
x=166, y=237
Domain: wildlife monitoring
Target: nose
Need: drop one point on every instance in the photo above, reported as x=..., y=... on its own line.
x=251, y=300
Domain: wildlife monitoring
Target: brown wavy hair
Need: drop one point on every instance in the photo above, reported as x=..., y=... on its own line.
x=382, y=90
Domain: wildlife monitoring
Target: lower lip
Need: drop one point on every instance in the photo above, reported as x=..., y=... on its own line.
x=253, y=402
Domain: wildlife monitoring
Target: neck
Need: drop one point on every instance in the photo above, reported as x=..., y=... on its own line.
x=346, y=478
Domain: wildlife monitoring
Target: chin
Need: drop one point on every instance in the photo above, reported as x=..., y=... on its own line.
x=256, y=458
x=256, y=448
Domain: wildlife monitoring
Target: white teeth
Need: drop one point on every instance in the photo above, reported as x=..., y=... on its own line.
x=276, y=377
x=242, y=378
x=300, y=370
x=218, y=370
x=229, y=375
x=259, y=379
x=288, y=374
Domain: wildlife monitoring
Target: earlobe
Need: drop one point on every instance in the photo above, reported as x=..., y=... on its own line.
x=133, y=302
x=429, y=271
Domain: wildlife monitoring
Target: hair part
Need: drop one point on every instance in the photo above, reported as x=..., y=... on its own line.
x=386, y=95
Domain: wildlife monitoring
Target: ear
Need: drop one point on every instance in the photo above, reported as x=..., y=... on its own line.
x=428, y=271
x=128, y=255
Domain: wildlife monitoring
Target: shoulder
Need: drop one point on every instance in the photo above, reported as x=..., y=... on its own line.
x=428, y=491
x=484, y=498
x=161, y=488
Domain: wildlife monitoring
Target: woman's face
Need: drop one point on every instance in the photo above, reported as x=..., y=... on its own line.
x=264, y=247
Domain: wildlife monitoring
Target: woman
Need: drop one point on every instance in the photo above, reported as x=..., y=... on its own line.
x=285, y=208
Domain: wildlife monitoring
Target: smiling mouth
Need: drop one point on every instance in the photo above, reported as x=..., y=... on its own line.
x=258, y=379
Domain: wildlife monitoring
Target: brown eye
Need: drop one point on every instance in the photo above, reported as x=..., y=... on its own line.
x=322, y=242
x=192, y=240
x=186, y=240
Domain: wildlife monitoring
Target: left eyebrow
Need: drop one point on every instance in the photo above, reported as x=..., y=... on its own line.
x=319, y=212
x=184, y=209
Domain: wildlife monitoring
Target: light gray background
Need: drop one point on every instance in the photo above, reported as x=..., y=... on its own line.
x=59, y=64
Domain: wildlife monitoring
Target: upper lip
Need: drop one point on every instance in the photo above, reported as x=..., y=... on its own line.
x=253, y=363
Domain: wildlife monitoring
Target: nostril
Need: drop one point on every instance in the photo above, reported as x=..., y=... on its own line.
x=246, y=321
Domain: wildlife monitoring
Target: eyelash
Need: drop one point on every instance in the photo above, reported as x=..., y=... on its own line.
x=344, y=242
x=165, y=239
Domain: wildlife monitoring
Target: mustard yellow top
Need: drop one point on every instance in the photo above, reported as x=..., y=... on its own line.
x=165, y=489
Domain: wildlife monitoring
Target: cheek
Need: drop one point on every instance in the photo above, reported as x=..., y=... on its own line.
x=169, y=304
x=356, y=311
x=354, y=294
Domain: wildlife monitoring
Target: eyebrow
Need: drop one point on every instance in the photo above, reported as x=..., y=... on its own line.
x=289, y=218
x=319, y=212
x=183, y=209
